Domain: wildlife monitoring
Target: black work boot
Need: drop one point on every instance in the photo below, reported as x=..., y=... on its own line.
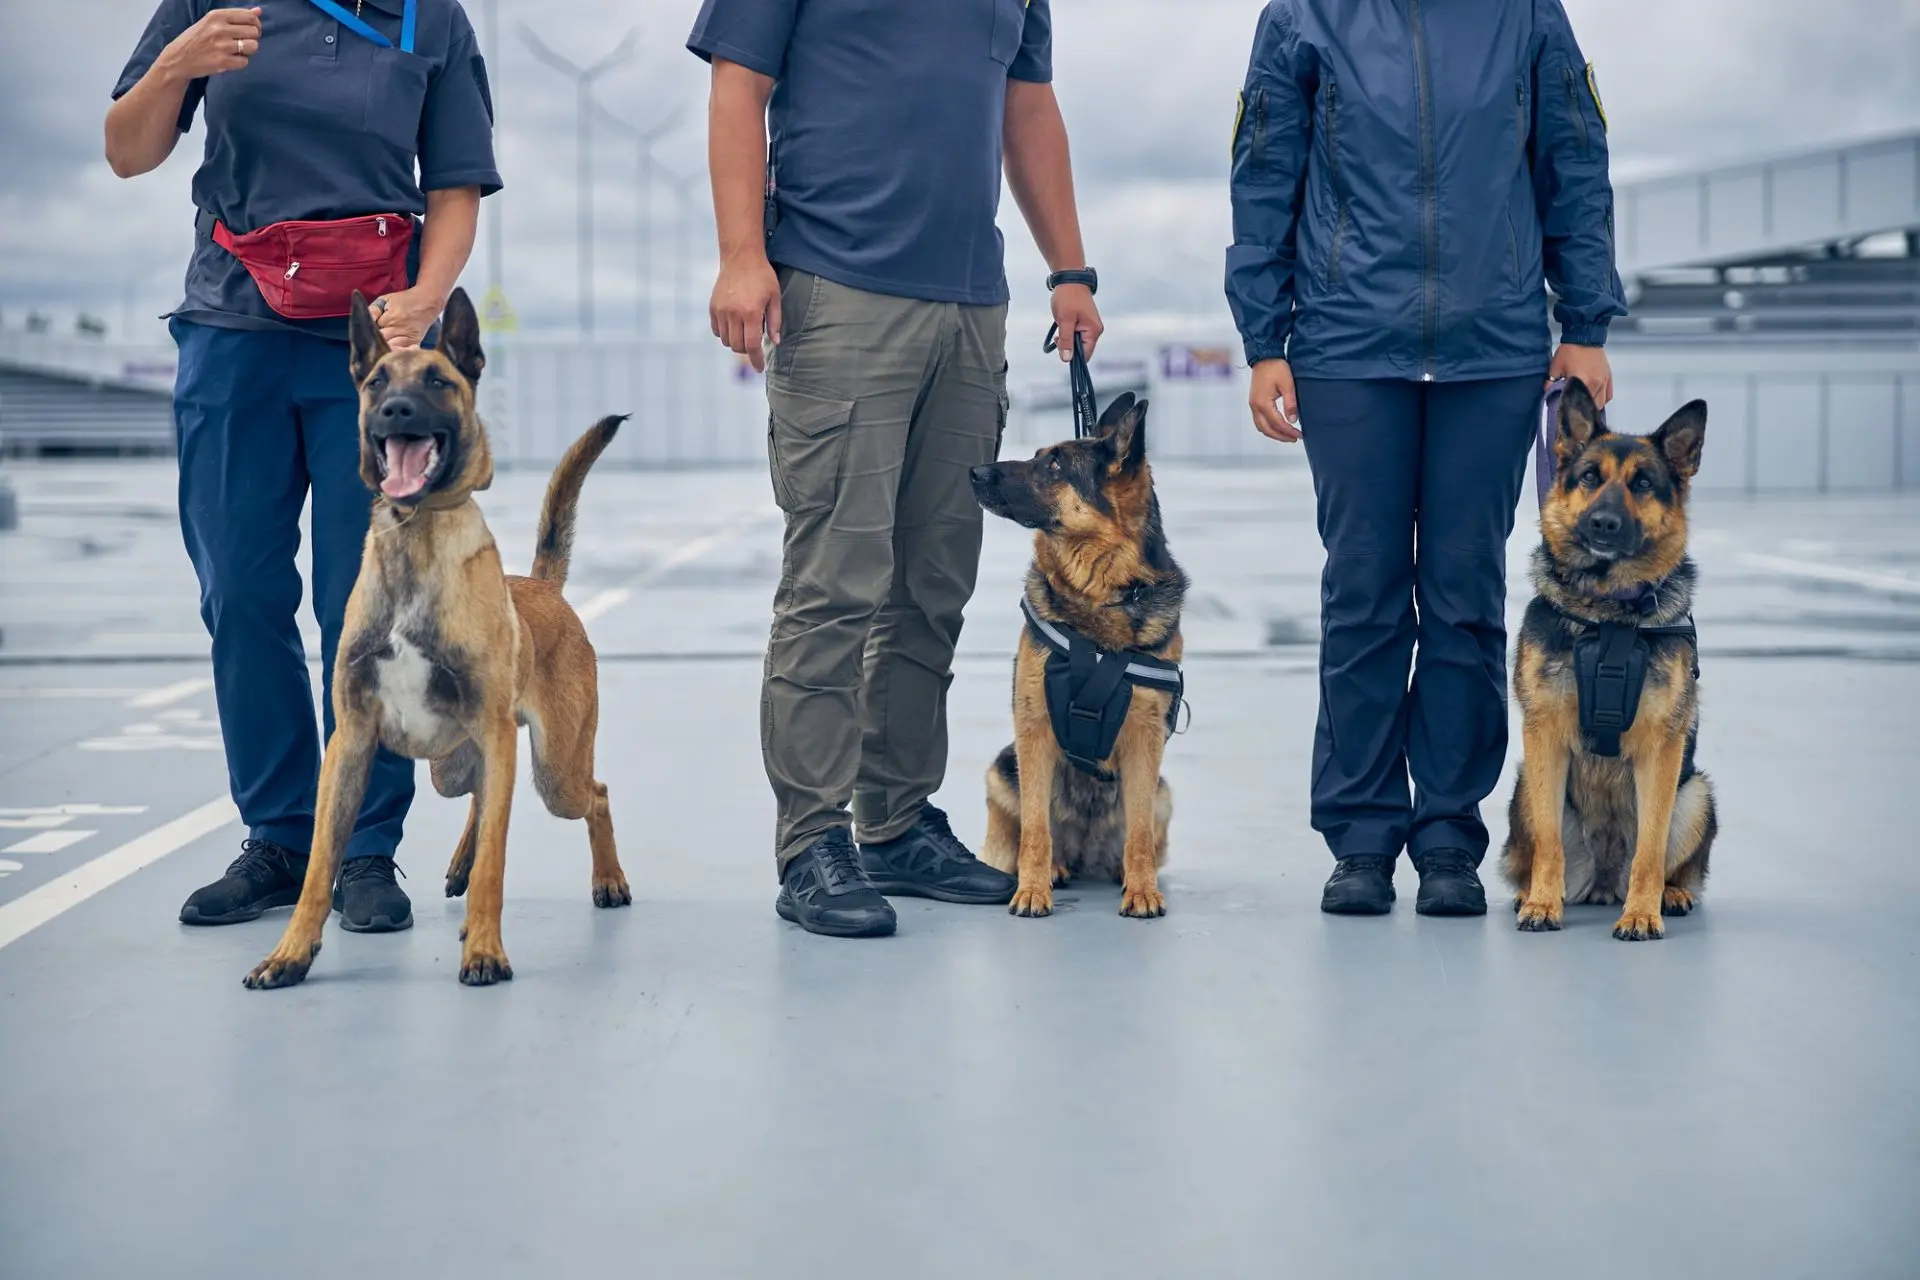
x=369, y=899
x=1361, y=885
x=928, y=861
x=264, y=875
x=1449, y=884
x=825, y=891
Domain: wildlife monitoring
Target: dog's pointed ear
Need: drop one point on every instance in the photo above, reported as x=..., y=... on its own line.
x=363, y=337
x=1682, y=437
x=460, y=336
x=1128, y=437
x=1121, y=406
x=1579, y=422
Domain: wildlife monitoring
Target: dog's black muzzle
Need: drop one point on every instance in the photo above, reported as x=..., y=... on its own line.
x=996, y=492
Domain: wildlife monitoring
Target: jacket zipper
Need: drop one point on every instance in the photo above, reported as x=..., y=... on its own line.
x=1259, y=157
x=1573, y=106
x=1428, y=193
x=1520, y=159
x=1333, y=172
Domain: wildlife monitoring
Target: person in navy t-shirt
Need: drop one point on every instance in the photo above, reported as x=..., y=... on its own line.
x=309, y=118
x=857, y=151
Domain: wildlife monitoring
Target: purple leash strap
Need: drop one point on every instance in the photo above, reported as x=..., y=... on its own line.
x=1544, y=437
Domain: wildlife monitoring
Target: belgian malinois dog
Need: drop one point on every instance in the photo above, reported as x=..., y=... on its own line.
x=1611, y=814
x=1100, y=568
x=443, y=655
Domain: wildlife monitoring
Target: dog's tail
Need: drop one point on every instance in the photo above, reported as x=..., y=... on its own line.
x=555, y=546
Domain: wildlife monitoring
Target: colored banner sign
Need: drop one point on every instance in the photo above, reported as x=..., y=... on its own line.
x=1196, y=364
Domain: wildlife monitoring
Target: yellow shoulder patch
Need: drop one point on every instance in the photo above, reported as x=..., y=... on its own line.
x=1593, y=87
x=1239, y=118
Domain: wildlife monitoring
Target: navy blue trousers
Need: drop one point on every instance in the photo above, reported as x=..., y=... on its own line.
x=265, y=419
x=1416, y=484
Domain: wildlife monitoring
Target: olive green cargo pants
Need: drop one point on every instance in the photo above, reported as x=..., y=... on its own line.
x=880, y=408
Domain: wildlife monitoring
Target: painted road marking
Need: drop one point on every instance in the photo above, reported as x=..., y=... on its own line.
x=1870, y=579
x=8, y=866
x=77, y=809
x=167, y=695
x=37, y=694
x=684, y=554
x=31, y=910
x=35, y=822
x=180, y=730
x=50, y=841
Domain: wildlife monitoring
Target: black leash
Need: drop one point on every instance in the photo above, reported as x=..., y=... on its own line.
x=1086, y=413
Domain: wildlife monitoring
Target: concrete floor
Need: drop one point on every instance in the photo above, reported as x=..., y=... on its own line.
x=693, y=1088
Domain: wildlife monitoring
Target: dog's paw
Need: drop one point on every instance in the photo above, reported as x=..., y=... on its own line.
x=484, y=966
x=1676, y=901
x=1061, y=876
x=612, y=892
x=281, y=969
x=1539, y=917
x=1032, y=902
x=1142, y=904
x=1639, y=926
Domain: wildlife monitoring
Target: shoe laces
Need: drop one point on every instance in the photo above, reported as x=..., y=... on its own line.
x=1445, y=861
x=839, y=863
x=262, y=861
x=934, y=825
x=354, y=870
x=1359, y=865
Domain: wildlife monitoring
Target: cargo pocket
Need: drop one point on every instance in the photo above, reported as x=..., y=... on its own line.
x=806, y=442
x=1009, y=29
x=1006, y=408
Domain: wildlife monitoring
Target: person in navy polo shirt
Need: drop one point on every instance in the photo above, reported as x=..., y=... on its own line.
x=856, y=151
x=365, y=113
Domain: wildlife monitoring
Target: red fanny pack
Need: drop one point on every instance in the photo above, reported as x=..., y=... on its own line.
x=309, y=270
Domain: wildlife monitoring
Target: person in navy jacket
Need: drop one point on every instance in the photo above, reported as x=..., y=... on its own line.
x=315, y=112
x=1405, y=176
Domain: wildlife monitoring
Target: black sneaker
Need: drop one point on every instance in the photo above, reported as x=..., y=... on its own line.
x=264, y=875
x=826, y=891
x=928, y=861
x=1361, y=885
x=1449, y=884
x=369, y=899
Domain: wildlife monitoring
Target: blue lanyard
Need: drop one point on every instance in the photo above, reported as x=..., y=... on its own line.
x=360, y=28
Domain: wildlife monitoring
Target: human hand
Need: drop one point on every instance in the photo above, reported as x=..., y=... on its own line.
x=1589, y=364
x=746, y=302
x=224, y=40
x=404, y=317
x=1276, y=413
x=1074, y=311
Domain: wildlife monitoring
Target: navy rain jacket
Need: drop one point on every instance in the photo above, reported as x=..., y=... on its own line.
x=1404, y=175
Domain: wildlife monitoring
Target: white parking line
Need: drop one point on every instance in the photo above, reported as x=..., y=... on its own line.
x=1870, y=579
x=28, y=912
x=51, y=841
x=684, y=554
x=167, y=695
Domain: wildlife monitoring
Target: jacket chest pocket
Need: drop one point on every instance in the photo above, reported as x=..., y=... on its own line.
x=396, y=97
x=1009, y=29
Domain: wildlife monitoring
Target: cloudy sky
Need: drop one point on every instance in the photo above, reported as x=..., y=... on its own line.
x=1148, y=87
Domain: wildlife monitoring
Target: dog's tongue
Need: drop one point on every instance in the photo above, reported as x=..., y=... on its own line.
x=406, y=465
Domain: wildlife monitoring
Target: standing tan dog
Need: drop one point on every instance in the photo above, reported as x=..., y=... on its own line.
x=1102, y=581
x=444, y=656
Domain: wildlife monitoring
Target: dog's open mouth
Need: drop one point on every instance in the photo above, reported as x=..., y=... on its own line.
x=410, y=464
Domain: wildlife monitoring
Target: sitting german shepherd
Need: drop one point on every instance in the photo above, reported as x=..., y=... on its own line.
x=1608, y=806
x=443, y=655
x=1101, y=573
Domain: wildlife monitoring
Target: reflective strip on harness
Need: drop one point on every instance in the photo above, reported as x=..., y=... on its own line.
x=1089, y=689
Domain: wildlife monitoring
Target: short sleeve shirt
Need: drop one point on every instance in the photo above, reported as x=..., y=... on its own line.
x=323, y=123
x=885, y=132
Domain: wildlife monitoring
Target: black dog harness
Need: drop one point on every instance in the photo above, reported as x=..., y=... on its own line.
x=1089, y=689
x=1610, y=670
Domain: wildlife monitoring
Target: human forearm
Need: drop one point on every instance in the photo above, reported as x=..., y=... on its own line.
x=737, y=159
x=446, y=240
x=1039, y=168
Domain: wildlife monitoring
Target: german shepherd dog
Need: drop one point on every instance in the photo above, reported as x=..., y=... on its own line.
x=1637, y=827
x=1101, y=567
x=443, y=655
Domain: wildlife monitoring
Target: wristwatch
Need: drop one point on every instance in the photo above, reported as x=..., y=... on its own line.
x=1088, y=277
